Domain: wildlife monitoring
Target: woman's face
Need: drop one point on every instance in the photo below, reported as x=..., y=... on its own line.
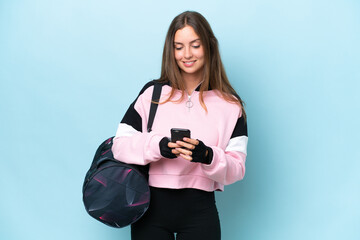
x=189, y=52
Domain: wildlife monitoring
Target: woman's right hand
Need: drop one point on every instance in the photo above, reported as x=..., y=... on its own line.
x=173, y=147
x=167, y=148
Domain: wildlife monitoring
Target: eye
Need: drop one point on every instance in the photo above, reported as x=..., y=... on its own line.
x=178, y=46
x=196, y=46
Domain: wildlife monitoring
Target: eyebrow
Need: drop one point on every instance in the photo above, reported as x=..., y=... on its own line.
x=198, y=39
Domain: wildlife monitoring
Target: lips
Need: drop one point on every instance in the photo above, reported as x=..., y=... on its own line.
x=189, y=63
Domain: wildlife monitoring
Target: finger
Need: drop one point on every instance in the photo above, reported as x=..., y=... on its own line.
x=191, y=141
x=186, y=145
x=184, y=151
x=173, y=145
x=187, y=157
x=174, y=151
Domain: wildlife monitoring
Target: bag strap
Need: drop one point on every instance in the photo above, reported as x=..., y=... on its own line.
x=154, y=104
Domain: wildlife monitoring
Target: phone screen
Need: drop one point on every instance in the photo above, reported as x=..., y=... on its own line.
x=177, y=134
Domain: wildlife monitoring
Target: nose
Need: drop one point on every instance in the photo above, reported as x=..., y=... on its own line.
x=188, y=53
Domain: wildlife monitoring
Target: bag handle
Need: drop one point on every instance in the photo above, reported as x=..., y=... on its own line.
x=106, y=145
x=155, y=99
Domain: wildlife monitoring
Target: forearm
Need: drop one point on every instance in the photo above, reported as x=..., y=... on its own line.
x=131, y=146
x=226, y=167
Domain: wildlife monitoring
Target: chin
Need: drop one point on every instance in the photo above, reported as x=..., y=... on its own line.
x=190, y=71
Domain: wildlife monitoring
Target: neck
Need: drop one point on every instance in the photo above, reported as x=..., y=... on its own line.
x=192, y=81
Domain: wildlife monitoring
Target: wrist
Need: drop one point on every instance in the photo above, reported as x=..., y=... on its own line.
x=209, y=156
x=165, y=150
x=202, y=153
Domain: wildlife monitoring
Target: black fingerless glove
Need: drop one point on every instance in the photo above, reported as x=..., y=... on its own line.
x=165, y=151
x=199, y=153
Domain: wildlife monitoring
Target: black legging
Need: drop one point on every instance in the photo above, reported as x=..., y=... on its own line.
x=190, y=213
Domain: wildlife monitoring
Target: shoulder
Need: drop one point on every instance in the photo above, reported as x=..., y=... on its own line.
x=230, y=101
x=149, y=86
x=214, y=97
x=146, y=87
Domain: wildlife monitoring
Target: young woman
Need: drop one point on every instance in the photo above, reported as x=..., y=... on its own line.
x=183, y=175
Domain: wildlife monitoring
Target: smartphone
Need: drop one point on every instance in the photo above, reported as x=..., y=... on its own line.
x=177, y=134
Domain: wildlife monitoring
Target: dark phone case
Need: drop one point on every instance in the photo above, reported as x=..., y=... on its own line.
x=177, y=134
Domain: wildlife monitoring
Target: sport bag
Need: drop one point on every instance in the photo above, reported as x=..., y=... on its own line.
x=115, y=193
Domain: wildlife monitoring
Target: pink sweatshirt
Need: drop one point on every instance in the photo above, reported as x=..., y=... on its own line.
x=222, y=128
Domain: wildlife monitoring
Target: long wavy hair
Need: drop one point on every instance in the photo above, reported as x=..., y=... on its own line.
x=214, y=72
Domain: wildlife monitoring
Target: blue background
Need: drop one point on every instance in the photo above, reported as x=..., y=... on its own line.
x=70, y=68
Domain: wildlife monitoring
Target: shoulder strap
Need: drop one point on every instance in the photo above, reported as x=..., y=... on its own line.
x=154, y=104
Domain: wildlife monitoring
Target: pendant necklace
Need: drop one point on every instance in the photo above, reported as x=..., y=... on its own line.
x=189, y=104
